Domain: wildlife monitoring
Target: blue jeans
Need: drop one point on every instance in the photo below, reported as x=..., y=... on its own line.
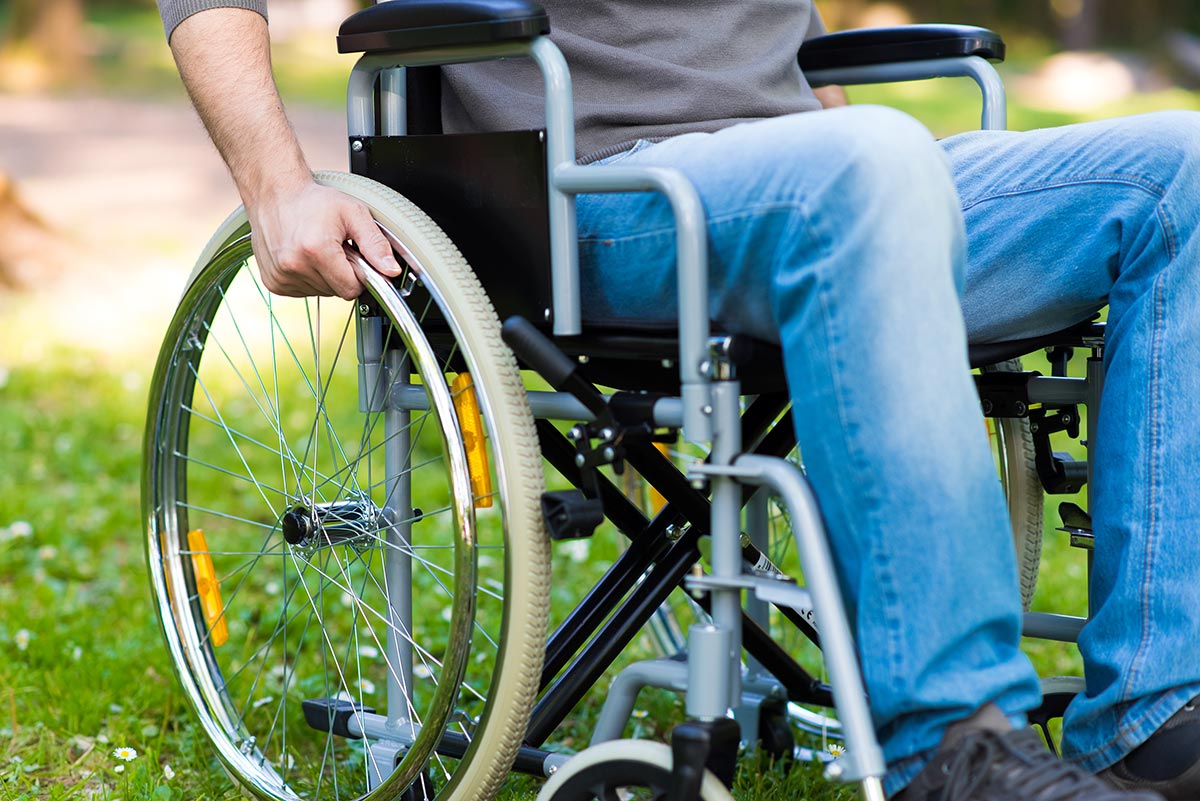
x=871, y=253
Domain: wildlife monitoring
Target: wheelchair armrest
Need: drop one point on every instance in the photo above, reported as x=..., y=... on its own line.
x=425, y=24
x=867, y=46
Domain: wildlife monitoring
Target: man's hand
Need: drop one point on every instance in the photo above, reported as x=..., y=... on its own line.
x=298, y=235
x=831, y=96
x=297, y=225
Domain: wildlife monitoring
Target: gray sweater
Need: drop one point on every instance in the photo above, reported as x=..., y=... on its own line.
x=641, y=69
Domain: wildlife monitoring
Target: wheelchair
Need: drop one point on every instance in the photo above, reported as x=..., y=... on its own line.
x=348, y=526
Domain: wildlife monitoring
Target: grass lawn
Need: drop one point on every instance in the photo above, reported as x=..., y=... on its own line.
x=83, y=669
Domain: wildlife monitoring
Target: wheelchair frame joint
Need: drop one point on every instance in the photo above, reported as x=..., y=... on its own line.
x=1059, y=473
x=1004, y=394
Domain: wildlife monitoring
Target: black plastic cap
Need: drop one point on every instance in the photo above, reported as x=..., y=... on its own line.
x=570, y=515
x=332, y=715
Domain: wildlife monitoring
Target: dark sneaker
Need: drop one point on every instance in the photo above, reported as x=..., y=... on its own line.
x=983, y=758
x=1168, y=762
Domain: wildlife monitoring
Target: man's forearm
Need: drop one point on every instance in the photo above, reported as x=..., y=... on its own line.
x=224, y=58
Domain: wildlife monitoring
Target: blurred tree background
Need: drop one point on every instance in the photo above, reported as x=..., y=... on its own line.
x=1065, y=57
x=51, y=43
x=55, y=30
x=1073, y=24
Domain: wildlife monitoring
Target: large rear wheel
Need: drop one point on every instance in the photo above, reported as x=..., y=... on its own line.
x=338, y=497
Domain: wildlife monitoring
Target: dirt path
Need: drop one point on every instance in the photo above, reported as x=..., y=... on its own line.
x=136, y=189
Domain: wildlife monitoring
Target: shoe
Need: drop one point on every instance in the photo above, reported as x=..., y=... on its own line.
x=983, y=758
x=1168, y=762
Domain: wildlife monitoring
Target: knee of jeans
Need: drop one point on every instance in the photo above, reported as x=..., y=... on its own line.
x=883, y=158
x=899, y=182
x=893, y=151
x=1172, y=139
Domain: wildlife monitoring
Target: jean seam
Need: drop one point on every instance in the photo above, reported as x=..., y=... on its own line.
x=1164, y=220
x=1147, y=566
x=1065, y=183
x=860, y=467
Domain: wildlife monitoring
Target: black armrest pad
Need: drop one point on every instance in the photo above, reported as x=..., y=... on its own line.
x=866, y=46
x=420, y=24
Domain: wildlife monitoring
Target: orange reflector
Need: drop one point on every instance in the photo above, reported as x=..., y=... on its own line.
x=207, y=587
x=466, y=405
x=657, y=501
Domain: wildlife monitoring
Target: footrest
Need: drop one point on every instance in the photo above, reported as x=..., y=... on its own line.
x=333, y=715
x=1078, y=524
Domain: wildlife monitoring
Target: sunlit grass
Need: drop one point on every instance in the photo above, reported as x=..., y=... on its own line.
x=84, y=668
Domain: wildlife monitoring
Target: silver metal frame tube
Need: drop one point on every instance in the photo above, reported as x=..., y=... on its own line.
x=560, y=152
x=995, y=99
x=667, y=674
x=863, y=753
x=567, y=179
x=397, y=560
x=1047, y=626
x=691, y=238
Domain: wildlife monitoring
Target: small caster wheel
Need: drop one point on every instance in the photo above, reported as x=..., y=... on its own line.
x=627, y=769
x=775, y=735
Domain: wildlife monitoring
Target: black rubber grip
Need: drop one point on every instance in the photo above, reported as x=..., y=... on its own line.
x=542, y=355
x=533, y=348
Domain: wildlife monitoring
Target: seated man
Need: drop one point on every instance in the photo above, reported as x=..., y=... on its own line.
x=860, y=244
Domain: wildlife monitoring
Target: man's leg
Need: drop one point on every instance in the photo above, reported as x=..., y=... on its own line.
x=839, y=234
x=1061, y=222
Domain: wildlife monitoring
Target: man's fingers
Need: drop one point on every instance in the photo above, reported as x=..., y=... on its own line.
x=371, y=242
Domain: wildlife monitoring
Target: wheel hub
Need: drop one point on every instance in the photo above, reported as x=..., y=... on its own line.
x=308, y=527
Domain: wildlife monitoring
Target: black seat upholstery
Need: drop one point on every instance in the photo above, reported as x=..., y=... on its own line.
x=1078, y=335
x=406, y=25
x=859, y=48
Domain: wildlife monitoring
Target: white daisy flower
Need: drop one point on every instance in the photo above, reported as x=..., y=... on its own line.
x=125, y=753
x=22, y=638
x=119, y=769
x=422, y=671
x=168, y=772
x=575, y=550
x=47, y=552
x=20, y=529
x=367, y=686
x=835, y=749
x=368, y=651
